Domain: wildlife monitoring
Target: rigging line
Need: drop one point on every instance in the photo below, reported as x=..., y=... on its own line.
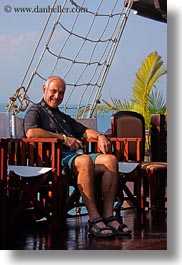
x=97, y=14
x=43, y=78
x=88, y=32
x=104, y=30
x=100, y=75
x=97, y=83
x=93, y=53
x=11, y=103
x=98, y=94
x=128, y=10
x=47, y=42
x=83, y=84
x=73, y=60
x=81, y=37
x=38, y=43
x=88, y=101
x=82, y=47
x=94, y=48
x=66, y=40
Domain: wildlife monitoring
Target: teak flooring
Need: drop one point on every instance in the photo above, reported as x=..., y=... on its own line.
x=149, y=232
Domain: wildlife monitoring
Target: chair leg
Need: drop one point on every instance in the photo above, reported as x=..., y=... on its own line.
x=120, y=201
x=161, y=192
x=131, y=197
x=58, y=203
x=3, y=216
x=156, y=186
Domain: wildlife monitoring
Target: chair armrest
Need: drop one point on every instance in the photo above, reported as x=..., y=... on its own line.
x=117, y=146
x=37, y=152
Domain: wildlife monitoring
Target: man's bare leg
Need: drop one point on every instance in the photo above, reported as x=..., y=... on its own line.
x=84, y=168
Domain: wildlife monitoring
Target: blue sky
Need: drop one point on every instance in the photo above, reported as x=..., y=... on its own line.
x=19, y=34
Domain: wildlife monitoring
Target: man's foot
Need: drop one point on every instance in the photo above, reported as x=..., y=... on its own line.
x=98, y=228
x=118, y=228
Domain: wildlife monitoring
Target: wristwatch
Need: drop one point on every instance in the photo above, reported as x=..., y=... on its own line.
x=99, y=134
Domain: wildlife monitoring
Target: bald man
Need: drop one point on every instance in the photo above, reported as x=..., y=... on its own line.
x=46, y=120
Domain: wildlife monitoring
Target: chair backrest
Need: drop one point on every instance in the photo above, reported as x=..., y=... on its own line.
x=88, y=122
x=17, y=127
x=4, y=125
x=129, y=124
x=158, y=132
x=11, y=127
x=92, y=124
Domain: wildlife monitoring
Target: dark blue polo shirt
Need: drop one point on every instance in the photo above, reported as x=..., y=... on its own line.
x=40, y=115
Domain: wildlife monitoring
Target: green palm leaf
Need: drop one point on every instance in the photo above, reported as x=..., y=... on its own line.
x=145, y=100
x=150, y=71
x=156, y=103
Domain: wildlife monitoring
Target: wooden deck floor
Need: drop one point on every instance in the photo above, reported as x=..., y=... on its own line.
x=149, y=233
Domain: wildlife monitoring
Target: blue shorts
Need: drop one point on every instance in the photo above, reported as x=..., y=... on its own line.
x=69, y=156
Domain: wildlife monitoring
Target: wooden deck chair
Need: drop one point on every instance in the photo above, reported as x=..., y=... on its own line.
x=129, y=129
x=129, y=124
x=155, y=172
x=73, y=201
x=158, y=132
x=24, y=154
x=31, y=181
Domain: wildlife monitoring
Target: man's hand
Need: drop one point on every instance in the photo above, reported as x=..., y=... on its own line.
x=73, y=143
x=104, y=144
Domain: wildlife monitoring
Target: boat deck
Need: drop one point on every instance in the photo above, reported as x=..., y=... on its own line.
x=149, y=232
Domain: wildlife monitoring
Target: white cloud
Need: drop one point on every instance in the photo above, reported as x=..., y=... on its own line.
x=13, y=46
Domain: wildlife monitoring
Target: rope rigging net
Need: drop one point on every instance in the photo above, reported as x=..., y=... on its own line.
x=82, y=41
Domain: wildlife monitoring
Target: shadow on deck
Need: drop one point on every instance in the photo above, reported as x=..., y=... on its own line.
x=149, y=233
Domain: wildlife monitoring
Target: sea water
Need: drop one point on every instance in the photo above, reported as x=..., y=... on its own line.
x=103, y=121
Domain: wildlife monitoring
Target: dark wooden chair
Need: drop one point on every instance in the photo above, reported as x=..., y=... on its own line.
x=42, y=194
x=155, y=178
x=158, y=132
x=129, y=124
x=129, y=130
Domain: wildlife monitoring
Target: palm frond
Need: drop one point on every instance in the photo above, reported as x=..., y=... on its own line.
x=145, y=100
x=156, y=103
x=150, y=71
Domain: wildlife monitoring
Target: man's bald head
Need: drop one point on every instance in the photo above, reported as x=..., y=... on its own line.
x=54, y=89
x=53, y=78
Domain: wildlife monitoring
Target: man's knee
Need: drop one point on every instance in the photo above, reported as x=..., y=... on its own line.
x=108, y=159
x=83, y=161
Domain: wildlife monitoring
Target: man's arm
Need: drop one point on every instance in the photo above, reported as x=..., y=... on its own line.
x=73, y=143
x=41, y=133
x=103, y=142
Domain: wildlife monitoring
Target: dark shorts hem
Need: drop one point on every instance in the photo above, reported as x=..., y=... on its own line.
x=69, y=156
